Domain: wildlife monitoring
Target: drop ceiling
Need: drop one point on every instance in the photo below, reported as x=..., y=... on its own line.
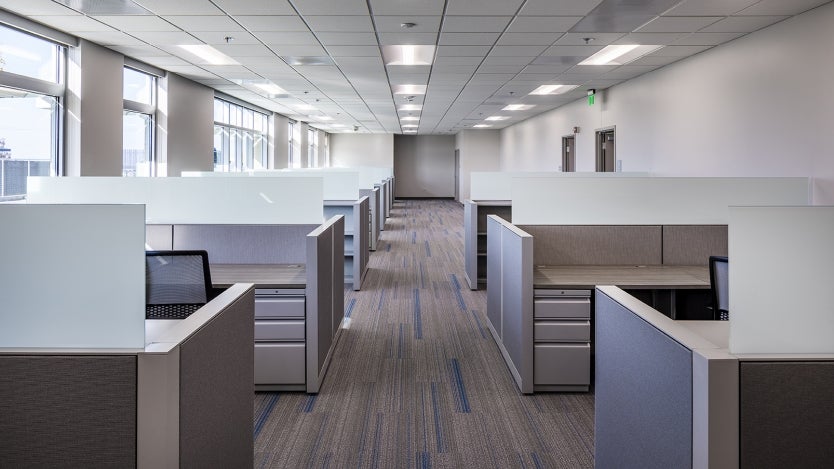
x=489, y=53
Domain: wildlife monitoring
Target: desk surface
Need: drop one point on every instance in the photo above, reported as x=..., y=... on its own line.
x=623, y=276
x=262, y=275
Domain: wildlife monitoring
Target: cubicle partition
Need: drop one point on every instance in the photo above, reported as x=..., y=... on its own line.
x=374, y=202
x=475, y=213
x=356, y=248
x=85, y=379
x=583, y=234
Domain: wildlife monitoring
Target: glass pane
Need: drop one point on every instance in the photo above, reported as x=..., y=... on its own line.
x=137, y=155
x=139, y=86
x=218, y=110
x=221, y=148
x=28, y=55
x=28, y=139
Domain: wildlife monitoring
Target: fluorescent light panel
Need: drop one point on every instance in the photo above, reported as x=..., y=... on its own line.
x=209, y=54
x=410, y=118
x=270, y=88
x=410, y=107
x=552, y=89
x=410, y=126
x=496, y=118
x=481, y=126
x=408, y=54
x=409, y=89
x=518, y=107
x=619, y=54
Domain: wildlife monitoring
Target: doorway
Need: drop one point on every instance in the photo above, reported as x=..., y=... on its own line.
x=568, y=153
x=606, y=150
x=457, y=174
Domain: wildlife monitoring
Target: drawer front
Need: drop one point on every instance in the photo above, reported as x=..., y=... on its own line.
x=279, y=307
x=562, y=364
x=562, y=331
x=280, y=363
x=279, y=330
x=579, y=308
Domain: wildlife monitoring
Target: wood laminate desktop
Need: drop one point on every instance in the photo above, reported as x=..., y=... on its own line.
x=262, y=275
x=634, y=277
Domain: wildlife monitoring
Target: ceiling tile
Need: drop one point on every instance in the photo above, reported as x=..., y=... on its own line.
x=559, y=7
x=679, y=51
x=547, y=69
x=528, y=39
x=245, y=50
x=347, y=39
x=468, y=39
x=180, y=7
x=463, y=51
x=255, y=7
x=482, y=7
x=140, y=51
x=520, y=51
x=508, y=60
x=572, y=51
x=781, y=7
x=742, y=24
x=299, y=38
x=500, y=68
x=407, y=7
x=595, y=39
x=710, y=7
x=163, y=61
x=219, y=37
x=139, y=23
x=353, y=51
x=71, y=23
x=36, y=7
x=190, y=71
x=407, y=38
x=341, y=23
x=110, y=38
x=706, y=39
x=675, y=24
x=659, y=39
x=470, y=69
x=204, y=23
x=329, y=7
x=475, y=24
x=542, y=24
x=300, y=51
x=167, y=38
x=458, y=60
x=272, y=23
x=655, y=60
x=392, y=24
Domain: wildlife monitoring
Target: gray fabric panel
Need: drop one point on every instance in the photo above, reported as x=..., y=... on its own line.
x=337, y=284
x=246, y=244
x=596, y=244
x=470, y=243
x=216, y=390
x=503, y=211
x=325, y=295
x=68, y=411
x=493, y=292
x=643, y=393
x=785, y=413
x=159, y=237
x=693, y=244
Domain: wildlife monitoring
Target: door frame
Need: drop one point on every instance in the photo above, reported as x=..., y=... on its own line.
x=573, y=169
x=600, y=164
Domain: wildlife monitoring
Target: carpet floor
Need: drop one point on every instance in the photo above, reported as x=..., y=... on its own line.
x=416, y=379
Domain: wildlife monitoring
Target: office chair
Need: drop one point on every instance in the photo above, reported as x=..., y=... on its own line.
x=177, y=283
x=719, y=284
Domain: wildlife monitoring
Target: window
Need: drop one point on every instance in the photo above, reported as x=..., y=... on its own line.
x=241, y=138
x=138, y=124
x=31, y=95
x=312, y=148
x=294, y=159
x=327, y=149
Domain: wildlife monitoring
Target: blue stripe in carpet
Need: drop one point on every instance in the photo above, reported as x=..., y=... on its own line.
x=349, y=309
x=388, y=248
x=414, y=237
x=400, y=343
x=422, y=276
x=381, y=299
x=270, y=404
x=461, y=401
x=537, y=461
x=478, y=322
x=309, y=404
x=418, y=322
x=458, y=294
x=428, y=250
x=423, y=460
x=438, y=426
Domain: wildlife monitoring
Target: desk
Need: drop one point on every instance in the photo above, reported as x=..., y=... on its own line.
x=636, y=277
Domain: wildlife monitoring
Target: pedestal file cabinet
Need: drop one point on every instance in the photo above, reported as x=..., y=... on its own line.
x=280, y=331
x=562, y=340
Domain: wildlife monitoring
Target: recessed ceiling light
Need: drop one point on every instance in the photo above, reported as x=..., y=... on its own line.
x=409, y=89
x=518, y=107
x=305, y=107
x=296, y=60
x=409, y=126
x=323, y=118
x=270, y=88
x=408, y=54
x=209, y=54
x=496, y=118
x=409, y=118
x=618, y=54
x=553, y=89
x=410, y=107
x=336, y=126
x=481, y=126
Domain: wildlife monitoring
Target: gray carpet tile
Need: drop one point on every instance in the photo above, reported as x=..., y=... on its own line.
x=417, y=380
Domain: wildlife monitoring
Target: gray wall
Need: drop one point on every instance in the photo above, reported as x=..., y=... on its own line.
x=279, y=150
x=190, y=126
x=424, y=165
x=480, y=150
x=94, y=111
x=362, y=150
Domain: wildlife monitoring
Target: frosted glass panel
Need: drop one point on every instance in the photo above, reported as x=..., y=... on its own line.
x=781, y=274
x=72, y=276
x=217, y=200
x=497, y=185
x=646, y=200
x=338, y=184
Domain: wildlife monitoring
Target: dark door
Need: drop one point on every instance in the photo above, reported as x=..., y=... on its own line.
x=568, y=154
x=606, y=148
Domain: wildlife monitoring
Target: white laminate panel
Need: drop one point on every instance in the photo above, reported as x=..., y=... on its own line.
x=646, y=200
x=781, y=272
x=497, y=185
x=72, y=276
x=220, y=200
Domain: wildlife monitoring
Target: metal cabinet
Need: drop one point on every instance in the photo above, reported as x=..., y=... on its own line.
x=280, y=332
x=562, y=340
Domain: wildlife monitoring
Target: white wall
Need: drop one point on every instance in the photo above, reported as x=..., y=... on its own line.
x=754, y=107
x=279, y=147
x=480, y=150
x=190, y=126
x=348, y=150
x=424, y=165
x=94, y=117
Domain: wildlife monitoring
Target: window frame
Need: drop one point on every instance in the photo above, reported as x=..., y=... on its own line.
x=147, y=110
x=240, y=139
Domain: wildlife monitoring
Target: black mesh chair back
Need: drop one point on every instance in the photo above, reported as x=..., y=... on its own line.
x=720, y=285
x=177, y=283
